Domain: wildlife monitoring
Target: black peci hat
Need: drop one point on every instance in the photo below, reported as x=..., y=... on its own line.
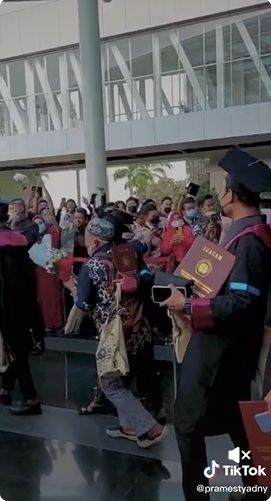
x=247, y=170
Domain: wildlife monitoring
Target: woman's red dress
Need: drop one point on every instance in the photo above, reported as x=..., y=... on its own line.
x=49, y=290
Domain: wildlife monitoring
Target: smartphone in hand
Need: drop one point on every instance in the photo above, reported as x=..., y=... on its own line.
x=263, y=420
x=162, y=293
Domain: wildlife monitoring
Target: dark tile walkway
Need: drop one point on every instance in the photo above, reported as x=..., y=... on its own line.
x=34, y=469
x=60, y=456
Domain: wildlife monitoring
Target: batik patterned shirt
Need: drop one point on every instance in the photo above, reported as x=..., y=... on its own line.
x=95, y=292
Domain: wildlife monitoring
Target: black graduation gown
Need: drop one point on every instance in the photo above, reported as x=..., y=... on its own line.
x=222, y=356
x=15, y=287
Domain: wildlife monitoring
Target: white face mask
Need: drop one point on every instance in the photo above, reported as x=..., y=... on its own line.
x=191, y=213
x=42, y=228
x=177, y=224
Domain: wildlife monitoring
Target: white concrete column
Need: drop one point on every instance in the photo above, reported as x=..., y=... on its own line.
x=92, y=94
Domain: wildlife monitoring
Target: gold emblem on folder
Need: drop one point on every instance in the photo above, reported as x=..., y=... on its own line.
x=204, y=268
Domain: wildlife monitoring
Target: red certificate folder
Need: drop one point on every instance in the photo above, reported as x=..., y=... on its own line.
x=208, y=265
x=259, y=442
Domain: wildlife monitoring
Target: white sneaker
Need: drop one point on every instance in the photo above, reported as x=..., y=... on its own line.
x=145, y=442
x=117, y=432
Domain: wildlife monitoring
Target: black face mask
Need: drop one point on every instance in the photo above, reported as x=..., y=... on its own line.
x=223, y=206
x=132, y=209
x=155, y=220
x=167, y=210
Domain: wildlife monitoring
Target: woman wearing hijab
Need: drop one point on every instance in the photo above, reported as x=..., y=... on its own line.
x=49, y=290
x=178, y=236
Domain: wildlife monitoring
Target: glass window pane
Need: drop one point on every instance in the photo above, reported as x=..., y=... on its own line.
x=41, y=61
x=106, y=50
x=72, y=55
x=145, y=88
x=193, y=103
x=3, y=71
x=239, y=49
x=3, y=74
x=52, y=61
x=192, y=42
x=125, y=97
x=176, y=94
x=21, y=107
x=210, y=45
x=141, y=48
x=116, y=102
x=227, y=88
x=171, y=97
x=211, y=87
x=111, y=101
x=17, y=78
x=76, y=108
x=149, y=95
x=227, y=42
x=166, y=84
x=77, y=54
x=4, y=120
x=122, y=110
x=245, y=82
x=41, y=113
x=119, y=54
x=252, y=26
x=58, y=105
x=265, y=22
x=265, y=95
x=106, y=103
x=169, y=56
x=183, y=93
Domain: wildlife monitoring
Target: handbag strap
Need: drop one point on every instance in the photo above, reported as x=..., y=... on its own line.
x=118, y=295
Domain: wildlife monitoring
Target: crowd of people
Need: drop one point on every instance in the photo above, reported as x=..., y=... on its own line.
x=214, y=375
x=162, y=231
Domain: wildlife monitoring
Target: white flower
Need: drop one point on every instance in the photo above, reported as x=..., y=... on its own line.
x=23, y=179
x=52, y=265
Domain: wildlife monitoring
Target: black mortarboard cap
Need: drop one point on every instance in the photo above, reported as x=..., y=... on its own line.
x=247, y=170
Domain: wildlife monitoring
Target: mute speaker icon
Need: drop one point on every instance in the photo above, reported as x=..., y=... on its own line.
x=234, y=455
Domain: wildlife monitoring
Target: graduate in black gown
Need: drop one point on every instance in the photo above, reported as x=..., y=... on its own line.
x=15, y=310
x=227, y=331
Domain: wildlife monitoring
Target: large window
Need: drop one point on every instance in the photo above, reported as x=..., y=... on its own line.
x=206, y=65
x=219, y=63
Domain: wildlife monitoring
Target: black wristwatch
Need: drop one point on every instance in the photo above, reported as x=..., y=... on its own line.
x=187, y=309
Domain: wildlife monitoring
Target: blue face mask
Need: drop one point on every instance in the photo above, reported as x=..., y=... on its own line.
x=191, y=213
x=42, y=228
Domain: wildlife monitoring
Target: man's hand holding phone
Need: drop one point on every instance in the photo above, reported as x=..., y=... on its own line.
x=176, y=301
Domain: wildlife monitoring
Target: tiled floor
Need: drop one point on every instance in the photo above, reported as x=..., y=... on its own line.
x=35, y=469
x=60, y=456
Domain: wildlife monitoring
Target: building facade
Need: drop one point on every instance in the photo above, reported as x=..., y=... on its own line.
x=179, y=82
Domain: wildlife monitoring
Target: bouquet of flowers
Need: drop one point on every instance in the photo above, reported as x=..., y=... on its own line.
x=55, y=257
